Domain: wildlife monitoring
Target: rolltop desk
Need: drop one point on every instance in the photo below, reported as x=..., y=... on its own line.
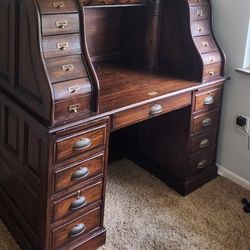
x=81, y=79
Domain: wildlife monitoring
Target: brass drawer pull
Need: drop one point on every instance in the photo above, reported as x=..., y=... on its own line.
x=79, y=174
x=68, y=67
x=211, y=58
x=73, y=89
x=77, y=230
x=79, y=202
x=211, y=72
x=156, y=109
x=199, y=13
x=207, y=122
x=62, y=46
x=74, y=108
x=200, y=28
x=58, y=5
x=209, y=100
x=202, y=164
x=61, y=24
x=204, y=143
x=82, y=144
x=205, y=44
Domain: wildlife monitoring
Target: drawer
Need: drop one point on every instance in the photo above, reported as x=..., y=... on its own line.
x=208, y=99
x=131, y=1
x=79, y=143
x=198, y=13
x=63, y=45
x=65, y=68
x=76, y=201
x=101, y=2
x=206, y=121
x=197, y=2
x=205, y=44
x=77, y=228
x=201, y=161
x=57, y=6
x=71, y=89
x=200, y=28
x=147, y=111
x=78, y=173
x=201, y=143
x=73, y=107
x=211, y=71
x=60, y=24
x=211, y=58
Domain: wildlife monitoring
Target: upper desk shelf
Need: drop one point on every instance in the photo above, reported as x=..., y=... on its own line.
x=67, y=42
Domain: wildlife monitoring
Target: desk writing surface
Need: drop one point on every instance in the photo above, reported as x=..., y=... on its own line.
x=121, y=86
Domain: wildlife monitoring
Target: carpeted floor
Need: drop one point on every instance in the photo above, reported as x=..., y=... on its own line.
x=143, y=213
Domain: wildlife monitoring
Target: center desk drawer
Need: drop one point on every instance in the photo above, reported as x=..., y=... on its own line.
x=147, y=111
x=79, y=143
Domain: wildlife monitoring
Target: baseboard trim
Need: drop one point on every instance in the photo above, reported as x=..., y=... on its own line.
x=233, y=177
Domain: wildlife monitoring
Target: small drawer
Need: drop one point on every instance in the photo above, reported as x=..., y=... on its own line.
x=198, y=13
x=211, y=71
x=79, y=143
x=57, y=6
x=76, y=201
x=208, y=99
x=60, y=24
x=64, y=45
x=205, y=44
x=200, y=28
x=65, y=68
x=203, y=142
x=73, y=107
x=146, y=111
x=201, y=161
x=197, y=2
x=78, y=173
x=71, y=89
x=77, y=228
x=206, y=121
x=211, y=58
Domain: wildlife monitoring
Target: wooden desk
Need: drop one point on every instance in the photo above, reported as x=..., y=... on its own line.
x=84, y=80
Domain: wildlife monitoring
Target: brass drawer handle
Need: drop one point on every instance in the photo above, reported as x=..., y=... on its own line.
x=202, y=164
x=61, y=24
x=68, y=67
x=204, y=143
x=205, y=44
x=74, y=108
x=211, y=58
x=199, y=13
x=200, y=28
x=207, y=122
x=73, y=89
x=211, y=72
x=58, y=5
x=79, y=202
x=209, y=100
x=155, y=109
x=62, y=46
x=79, y=174
x=77, y=230
x=82, y=144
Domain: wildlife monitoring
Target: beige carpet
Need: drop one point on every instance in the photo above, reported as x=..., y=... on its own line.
x=143, y=213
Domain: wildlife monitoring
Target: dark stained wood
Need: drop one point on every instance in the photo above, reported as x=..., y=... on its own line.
x=63, y=177
x=60, y=24
x=74, y=72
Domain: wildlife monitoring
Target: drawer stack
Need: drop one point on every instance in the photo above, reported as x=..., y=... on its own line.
x=204, y=129
x=78, y=187
x=61, y=47
x=201, y=31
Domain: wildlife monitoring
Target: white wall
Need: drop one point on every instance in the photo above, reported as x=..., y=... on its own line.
x=231, y=20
